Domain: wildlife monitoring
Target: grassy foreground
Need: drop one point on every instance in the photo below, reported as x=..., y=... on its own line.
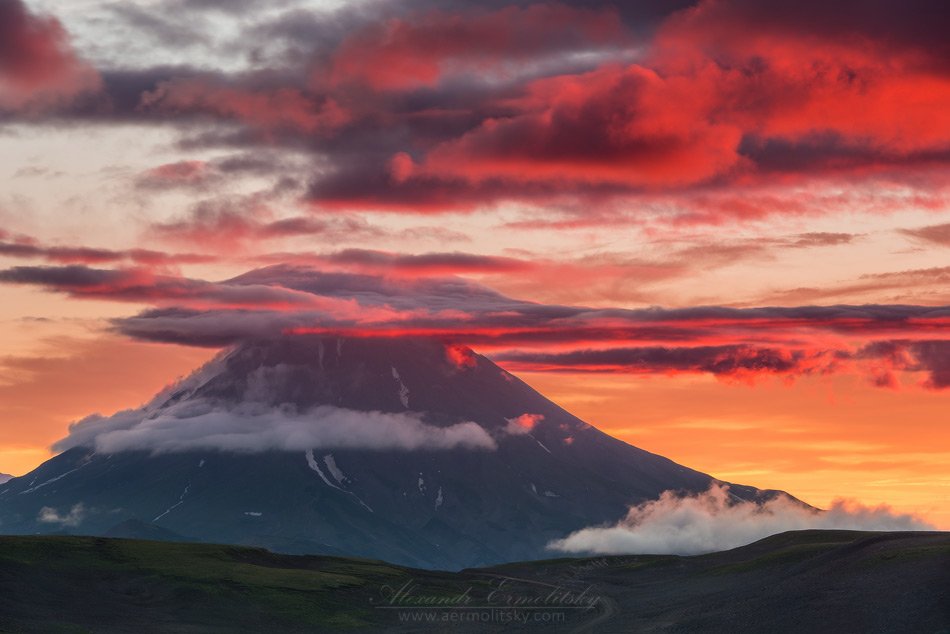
x=817, y=581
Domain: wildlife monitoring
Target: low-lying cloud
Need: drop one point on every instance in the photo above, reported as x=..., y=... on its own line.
x=75, y=516
x=256, y=427
x=716, y=520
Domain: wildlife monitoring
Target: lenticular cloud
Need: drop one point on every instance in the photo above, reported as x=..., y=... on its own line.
x=716, y=520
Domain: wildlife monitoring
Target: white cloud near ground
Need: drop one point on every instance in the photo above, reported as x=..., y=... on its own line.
x=715, y=520
x=74, y=517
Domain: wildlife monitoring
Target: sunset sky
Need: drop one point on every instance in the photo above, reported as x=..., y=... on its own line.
x=717, y=230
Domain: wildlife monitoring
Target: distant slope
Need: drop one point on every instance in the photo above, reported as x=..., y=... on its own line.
x=807, y=581
x=137, y=529
x=5, y=477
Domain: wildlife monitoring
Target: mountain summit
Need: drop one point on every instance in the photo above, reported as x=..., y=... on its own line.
x=402, y=449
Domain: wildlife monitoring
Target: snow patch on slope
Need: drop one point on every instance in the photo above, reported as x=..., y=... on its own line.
x=315, y=466
x=334, y=470
x=50, y=481
x=57, y=478
x=174, y=506
x=403, y=390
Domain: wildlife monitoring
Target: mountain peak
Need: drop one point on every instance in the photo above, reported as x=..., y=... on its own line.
x=385, y=374
x=406, y=449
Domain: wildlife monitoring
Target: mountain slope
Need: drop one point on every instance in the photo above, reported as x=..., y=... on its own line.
x=527, y=473
x=805, y=581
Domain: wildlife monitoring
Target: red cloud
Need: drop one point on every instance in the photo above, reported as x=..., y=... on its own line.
x=726, y=96
x=222, y=224
x=460, y=356
x=29, y=248
x=142, y=285
x=423, y=49
x=685, y=120
x=742, y=362
x=865, y=89
x=424, y=264
x=626, y=126
x=888, y=357
x=876, y=340
x=269, y=110
x=524, y=423
x=726, y=110
x=38, y=68
x=180, y=173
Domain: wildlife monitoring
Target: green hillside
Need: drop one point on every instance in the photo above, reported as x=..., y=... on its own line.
x=835, y=581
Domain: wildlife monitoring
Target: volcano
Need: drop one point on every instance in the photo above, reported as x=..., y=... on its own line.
x=401, y=449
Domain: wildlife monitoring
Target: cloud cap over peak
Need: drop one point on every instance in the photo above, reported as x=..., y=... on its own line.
x=731, y=343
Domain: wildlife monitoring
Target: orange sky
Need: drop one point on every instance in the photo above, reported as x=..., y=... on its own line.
x=818, y=438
